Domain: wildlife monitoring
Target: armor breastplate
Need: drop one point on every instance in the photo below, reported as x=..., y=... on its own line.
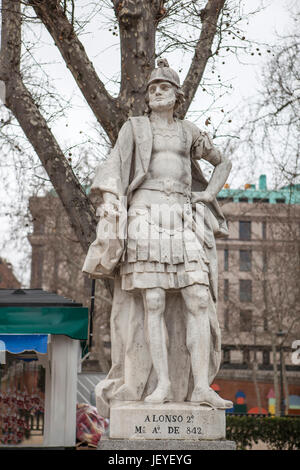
x=170, y=167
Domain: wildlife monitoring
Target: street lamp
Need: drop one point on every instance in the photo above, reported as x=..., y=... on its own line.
x=281, y=334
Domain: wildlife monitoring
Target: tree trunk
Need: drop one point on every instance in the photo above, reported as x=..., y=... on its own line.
x=137, y=37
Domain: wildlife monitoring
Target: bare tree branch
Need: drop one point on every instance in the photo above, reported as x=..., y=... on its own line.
x=209, y=17
x=100, y=101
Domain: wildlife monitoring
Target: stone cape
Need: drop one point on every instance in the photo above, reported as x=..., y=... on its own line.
x=131, y=376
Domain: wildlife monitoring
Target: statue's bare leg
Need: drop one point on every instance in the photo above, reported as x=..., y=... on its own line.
x=155, y=301
x=198, y=343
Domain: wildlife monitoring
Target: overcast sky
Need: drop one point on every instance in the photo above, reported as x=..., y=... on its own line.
x=244, y=77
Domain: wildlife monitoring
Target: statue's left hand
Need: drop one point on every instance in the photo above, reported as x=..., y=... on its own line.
x=202, y=196
x=109, y=209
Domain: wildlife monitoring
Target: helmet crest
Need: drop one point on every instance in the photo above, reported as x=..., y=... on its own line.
x=164, y=73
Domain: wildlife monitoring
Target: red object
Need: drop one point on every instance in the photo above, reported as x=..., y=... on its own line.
x=240, y=401
x=257, y=411
x=89, y=424
x=215, y=387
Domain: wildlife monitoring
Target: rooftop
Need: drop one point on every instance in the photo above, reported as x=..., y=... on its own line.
x=34, y=297
x=286, y=195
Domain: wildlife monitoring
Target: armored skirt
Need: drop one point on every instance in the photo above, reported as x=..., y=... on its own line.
x=160, y=257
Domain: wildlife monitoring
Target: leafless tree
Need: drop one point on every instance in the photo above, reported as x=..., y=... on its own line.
x=145, y=30
x=270, y=125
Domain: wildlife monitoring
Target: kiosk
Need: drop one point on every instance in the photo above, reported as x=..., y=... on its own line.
x=46, y=327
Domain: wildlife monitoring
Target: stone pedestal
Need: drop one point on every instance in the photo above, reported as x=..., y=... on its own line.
x=164, y=444
x=168, y=421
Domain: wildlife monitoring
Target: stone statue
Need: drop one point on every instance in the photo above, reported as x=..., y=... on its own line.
x=156, y=237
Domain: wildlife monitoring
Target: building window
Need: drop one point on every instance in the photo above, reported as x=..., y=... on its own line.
x=245, y=290
x=226, y=290
x=264, y=230
x=258, y=199
x=264, y=262
x=245, y=260
x=246, y=320
x=38, y=225
x=226, y=319
x=226, y=356
x=246, y=354
x=266, y=357
x=265, y=321
x=37, y=266
x=245, y=230
x=226, y=258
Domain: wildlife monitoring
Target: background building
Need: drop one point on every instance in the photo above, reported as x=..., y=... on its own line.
x=7, y=278
x=259, y=291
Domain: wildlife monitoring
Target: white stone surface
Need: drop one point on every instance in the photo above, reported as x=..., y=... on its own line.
x=129, y=420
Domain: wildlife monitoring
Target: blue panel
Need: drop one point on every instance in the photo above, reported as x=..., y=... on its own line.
x=17, y=344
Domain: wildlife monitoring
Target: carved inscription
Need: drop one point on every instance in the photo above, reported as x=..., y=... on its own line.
x=172, y=424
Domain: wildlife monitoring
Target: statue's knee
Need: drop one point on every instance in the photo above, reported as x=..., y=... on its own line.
x=155, y=301
x=199, y=302
x=203, y=300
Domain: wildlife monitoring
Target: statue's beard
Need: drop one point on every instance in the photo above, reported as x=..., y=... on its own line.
x=164, y=104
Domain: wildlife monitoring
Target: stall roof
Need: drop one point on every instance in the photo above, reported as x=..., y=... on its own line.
x=34, y=297
x=35, y=311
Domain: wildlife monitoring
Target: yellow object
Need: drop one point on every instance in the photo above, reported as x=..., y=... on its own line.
x=272, y=409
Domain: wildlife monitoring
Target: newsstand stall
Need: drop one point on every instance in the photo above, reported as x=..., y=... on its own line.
x=40, y=356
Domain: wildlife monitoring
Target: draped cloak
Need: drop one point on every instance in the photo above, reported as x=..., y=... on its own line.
x=132, y=376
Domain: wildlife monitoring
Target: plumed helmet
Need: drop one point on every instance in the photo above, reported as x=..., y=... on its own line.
x=165, y=73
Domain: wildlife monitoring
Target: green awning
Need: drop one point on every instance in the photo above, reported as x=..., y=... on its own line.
x=55, y=320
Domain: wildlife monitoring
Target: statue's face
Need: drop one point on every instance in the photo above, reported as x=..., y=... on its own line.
x=161, y=96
